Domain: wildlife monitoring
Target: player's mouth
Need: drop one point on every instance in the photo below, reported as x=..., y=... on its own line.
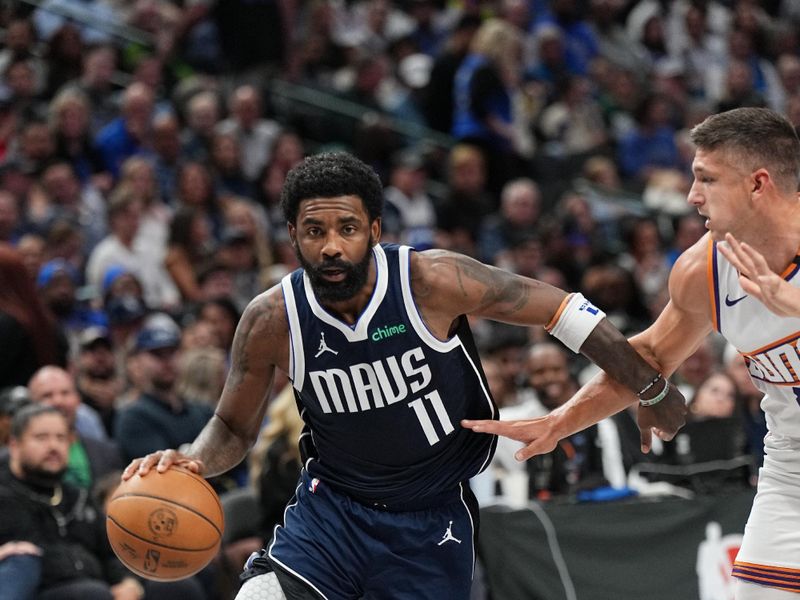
x=333, y=274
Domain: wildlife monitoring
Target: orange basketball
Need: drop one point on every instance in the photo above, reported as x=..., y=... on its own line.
x=165, y=526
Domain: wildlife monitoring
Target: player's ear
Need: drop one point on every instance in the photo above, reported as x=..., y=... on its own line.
x=292, y=233
x=375, y=230
x=760, y=179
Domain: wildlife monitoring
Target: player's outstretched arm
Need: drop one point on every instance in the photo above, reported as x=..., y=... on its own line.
x=758, y=280
x=259, y=345
x=666, y=344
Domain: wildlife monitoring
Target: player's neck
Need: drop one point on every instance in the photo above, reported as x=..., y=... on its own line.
x=778, y=241
x=350, y=310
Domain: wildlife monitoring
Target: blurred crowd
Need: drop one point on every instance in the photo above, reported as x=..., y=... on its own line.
x=144, y=144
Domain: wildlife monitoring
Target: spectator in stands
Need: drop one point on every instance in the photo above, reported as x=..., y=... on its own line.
x=99, y=65
x=159, y=417
x=485, y=82
x=69, y=117
x=34, y=507
x=202, y=116
x=201, y=374
x=196, y=189
x=189, y=251
x=34, y=146
x=520, y=209
x=651, y=145
x=467, y=202
x=20, y=43
x=57, y=285
x=11, y=400
x=130, y=133
x=119, y=249
x=255, y=134
x=409, y=215
x=715, y=398
x=29, y=332
x=438, y=104
x=226, y=167
x=92, y=454
x=66, y=198
x=577, y=461
x=64, y=56
x=167, y=155
x=223, y=316
x=97, y=377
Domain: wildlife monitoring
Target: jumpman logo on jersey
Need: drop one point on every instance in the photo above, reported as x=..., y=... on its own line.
x=323, y=347
x=448, y=536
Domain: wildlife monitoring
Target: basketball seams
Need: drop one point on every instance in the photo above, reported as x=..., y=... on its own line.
x=202, y=480
x=172, y=503
x=159, y=544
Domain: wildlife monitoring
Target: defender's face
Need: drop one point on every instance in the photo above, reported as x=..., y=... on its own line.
x=333, y=238
x=721, y=193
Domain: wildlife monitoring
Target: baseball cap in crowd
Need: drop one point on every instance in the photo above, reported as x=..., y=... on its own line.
x=91, y=336
x=111, y=275
x=13, y=398
x=54, y=268
x=125, y=309
x=157, y=337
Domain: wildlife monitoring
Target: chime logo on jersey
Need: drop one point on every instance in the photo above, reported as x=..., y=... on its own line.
x=777, y=364
x=364, y=386
x=387, y=331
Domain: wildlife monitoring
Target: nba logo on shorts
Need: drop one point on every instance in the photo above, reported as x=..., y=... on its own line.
x=715, y=556
x=312, y=486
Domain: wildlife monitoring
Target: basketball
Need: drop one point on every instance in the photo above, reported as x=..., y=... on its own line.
x=165, y=526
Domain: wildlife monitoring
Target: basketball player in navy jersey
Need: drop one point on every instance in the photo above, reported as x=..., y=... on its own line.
x=375, y=341
x=746, y=176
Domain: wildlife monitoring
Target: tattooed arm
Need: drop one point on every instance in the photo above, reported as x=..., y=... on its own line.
x=447, y=285
x=259, y=345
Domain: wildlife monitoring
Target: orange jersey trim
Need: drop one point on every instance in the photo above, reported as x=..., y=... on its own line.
x=711, y=277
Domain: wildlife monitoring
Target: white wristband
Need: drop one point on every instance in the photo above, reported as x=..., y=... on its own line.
x=574, y=321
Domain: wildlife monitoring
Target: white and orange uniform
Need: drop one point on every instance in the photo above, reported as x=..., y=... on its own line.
x=770, y=552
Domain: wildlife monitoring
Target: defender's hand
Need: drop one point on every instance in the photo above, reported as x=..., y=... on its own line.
x=538, y=435
x=664, y=418
x=162, y=460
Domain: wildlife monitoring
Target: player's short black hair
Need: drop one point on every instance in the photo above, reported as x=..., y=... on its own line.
x=329, y=175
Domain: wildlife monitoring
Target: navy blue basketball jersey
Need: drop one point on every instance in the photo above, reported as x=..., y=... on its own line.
x=383, y=399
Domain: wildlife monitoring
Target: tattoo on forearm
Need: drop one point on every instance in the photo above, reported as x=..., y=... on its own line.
x=501, y=289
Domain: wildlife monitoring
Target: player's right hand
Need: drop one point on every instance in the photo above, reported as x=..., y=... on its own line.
x=664, y=419
x=162, y=460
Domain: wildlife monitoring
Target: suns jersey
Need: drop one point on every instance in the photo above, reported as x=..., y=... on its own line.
x=382, y=399
x=769, y=345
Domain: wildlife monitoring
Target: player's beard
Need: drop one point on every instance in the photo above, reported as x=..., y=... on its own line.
x=338, y=291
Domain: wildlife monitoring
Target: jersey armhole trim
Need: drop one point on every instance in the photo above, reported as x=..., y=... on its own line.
x=297, y=367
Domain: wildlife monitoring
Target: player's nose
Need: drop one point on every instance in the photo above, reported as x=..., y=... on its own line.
x=332, y=246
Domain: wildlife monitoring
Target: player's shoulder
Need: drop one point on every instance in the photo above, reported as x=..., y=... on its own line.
x=690, y=274
x=265, y=316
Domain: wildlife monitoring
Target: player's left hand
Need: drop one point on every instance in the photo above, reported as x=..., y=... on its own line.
x=538, y=435
x=664, y=419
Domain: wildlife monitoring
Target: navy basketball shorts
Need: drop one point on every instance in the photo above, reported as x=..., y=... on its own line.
x=345, y=550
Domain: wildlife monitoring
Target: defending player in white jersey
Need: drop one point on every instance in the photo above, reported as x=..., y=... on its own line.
x=746, y=175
